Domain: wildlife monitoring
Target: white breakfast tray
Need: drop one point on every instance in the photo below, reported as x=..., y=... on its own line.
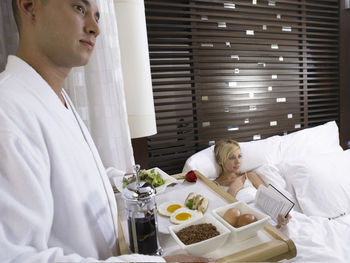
x=179, y=193
x=268, y=245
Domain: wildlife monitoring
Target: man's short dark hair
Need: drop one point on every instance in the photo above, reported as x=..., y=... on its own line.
x=16, y=13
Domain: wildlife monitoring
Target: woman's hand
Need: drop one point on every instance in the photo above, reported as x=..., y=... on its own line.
x=186, y=258
x=282, y=221
x=236, y=185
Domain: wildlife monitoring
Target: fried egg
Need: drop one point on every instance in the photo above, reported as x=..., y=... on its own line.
x=168, y=208
x=183, y=215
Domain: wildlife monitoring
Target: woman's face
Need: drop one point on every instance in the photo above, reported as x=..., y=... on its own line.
x=233, y=162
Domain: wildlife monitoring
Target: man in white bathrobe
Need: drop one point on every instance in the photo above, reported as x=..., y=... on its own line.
x=56, y=202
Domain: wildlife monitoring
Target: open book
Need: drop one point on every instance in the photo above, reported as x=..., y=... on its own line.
x=273, y=202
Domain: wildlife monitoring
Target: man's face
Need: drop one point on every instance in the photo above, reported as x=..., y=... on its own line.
x=66, y=31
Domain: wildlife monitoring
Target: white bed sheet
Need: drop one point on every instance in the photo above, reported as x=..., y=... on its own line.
x=320, y=189
x=317, y=239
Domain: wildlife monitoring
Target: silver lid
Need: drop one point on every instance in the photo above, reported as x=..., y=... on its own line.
x=141, y=193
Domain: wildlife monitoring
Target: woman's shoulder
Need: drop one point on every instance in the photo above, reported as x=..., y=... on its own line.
x=248, y=173
x=251, y=174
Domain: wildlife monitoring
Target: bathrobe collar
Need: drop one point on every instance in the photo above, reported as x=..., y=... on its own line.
x=34, y=83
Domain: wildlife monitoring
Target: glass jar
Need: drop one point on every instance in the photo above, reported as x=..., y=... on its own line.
x=141, y=213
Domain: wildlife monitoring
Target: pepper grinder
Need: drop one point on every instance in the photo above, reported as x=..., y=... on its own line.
x=141, y=212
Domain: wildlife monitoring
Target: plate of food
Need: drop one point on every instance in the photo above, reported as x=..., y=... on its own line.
x=155, y=176
x=174, y=212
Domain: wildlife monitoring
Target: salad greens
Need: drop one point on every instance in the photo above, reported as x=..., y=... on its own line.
x=189, y=203
x=149, y=176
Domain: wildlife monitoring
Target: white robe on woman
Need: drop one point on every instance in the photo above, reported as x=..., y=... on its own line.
x=56, y=202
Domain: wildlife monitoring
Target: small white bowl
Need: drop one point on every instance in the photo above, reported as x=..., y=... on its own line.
x=247, y=231
x=203, y=247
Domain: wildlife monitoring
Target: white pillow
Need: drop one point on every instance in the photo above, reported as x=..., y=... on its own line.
x=270, y=174
x=321, y=183
x=204, y=162
x=255, y=153
x=323, y=138
x=320, y=139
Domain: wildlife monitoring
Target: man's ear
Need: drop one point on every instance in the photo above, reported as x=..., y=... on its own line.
x=27, y=9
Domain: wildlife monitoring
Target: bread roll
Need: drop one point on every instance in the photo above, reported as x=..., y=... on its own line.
x=190, y=196
x=203, y=205
x=196, y=201
x=245, y=219
x=199, y=202
x=231, y=216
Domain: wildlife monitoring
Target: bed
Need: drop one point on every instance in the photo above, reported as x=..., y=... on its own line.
x=312, y=169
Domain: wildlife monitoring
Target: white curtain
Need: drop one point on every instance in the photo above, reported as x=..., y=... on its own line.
x=96, y=89
x=8, y=33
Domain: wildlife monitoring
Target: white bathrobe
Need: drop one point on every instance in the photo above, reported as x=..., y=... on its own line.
x=56, y=202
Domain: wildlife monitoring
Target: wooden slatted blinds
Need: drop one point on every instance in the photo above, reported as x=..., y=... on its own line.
x=244, y=70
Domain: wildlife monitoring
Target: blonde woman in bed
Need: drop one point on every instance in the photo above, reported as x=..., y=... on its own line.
x=229, y=157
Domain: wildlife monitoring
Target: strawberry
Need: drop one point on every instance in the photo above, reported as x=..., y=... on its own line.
x=191, y=177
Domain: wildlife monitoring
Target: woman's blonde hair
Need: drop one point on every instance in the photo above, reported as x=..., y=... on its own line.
x=223, y=149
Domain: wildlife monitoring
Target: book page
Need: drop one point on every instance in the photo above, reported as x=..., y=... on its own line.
x=287, y=203
x=272, y=202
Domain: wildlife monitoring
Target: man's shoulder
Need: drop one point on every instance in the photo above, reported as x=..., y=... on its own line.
x=15, y=102
x=12, y=87
x=9, y=95
x=5, y=78
x=9, y=83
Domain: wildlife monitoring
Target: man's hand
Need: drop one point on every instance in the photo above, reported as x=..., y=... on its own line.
x=186, y=258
